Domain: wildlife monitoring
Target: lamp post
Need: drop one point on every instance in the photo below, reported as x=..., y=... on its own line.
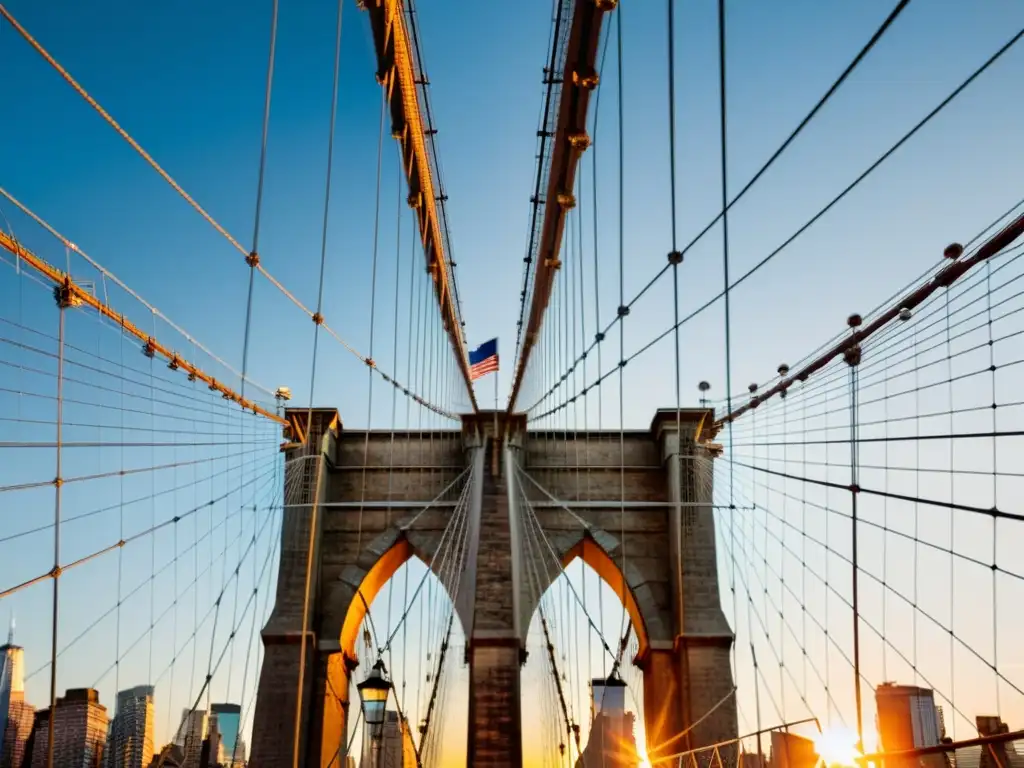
x=373, y=697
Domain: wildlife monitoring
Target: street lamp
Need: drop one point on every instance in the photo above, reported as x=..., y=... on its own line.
x=373, y=696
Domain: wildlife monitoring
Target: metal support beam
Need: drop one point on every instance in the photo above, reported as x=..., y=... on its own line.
x=78, y=296
x=941, y=280
x=398, y=74
x=578, y=79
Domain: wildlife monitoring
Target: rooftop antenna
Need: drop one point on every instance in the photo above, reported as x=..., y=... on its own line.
x=10, y=632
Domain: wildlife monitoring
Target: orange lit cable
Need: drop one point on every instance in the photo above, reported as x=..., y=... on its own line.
x=81, y=296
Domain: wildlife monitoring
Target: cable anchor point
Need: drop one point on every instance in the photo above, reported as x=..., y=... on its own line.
x=852, y=354
x=65, y=295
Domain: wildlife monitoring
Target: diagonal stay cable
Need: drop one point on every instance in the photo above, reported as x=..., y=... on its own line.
x=214, y=667
x=61, y=569
x=830, y=638
x=145, y=582
x=946, y=630
x=457, y=567
x=532, y=517
x=130, y=502
x=454, y=522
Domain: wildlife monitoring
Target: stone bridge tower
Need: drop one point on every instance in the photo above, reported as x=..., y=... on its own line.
x=645, y=502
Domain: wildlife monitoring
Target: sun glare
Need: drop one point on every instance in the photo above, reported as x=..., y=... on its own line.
x=837, y=745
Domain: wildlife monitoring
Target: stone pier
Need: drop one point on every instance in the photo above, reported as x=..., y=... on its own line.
x=647, y=503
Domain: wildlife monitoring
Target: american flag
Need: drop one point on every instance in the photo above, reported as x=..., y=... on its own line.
x=483, y=359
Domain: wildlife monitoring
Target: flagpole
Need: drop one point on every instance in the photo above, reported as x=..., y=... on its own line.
x=496, y=411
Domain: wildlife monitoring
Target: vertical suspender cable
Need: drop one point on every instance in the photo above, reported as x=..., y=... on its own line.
x=622, y=325
x=253, y=258
x=853, y=360
x=726, y=297
x=373, y=309
x=120, y=551
x=310, y=447
x=57, y=482
x=152, y=508
x=995, y=489
x=394, y=390
x=675, y=258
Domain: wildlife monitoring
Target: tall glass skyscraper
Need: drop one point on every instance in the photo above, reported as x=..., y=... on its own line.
x=130, y=743
x=5, y=698
x=229, y=722
x=13, y=709
x=908, y=719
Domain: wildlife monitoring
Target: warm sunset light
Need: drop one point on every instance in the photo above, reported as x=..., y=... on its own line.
x=837, y=745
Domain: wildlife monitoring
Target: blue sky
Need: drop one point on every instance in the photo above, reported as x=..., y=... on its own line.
x=187, y=81
x=188, y=85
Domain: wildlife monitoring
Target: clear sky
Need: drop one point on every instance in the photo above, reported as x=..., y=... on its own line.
x=186, y=79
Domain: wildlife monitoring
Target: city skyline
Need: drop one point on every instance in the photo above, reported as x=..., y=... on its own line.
x=127, y=739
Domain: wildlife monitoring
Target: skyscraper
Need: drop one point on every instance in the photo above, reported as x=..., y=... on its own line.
x=40, y=724
x=907, y=719
x=12, y=659
x=395, y=749
x=611, y=743
x=228, y=721
x=191, y=734
x=16, y=714
x=80, y=731
x=130, y=744
x=20, y=716
x=5, y=699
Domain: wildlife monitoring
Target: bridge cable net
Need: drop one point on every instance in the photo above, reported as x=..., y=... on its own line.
x=578, y=471
x=419, y=662
x=564, y=399
x=144, y=508
x=252, y=257
x=412, y=629
x=408, y=636
x=867, y=508
x=576, y=632
x=162, y=459
x=550, y=393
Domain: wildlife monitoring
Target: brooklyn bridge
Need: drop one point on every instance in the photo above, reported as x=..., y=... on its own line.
x=326, y=495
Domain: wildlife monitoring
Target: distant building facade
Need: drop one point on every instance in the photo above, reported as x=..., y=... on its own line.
x=191, y=735
x=908, y=719
x=130, y=744
x=40, y=724
x=227, y=719
x=80, y=732
x=611, y=743
x=792, y=751
x=16, y=714
x=395, y=745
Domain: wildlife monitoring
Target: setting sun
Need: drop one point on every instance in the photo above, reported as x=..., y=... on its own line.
x=837, y=745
